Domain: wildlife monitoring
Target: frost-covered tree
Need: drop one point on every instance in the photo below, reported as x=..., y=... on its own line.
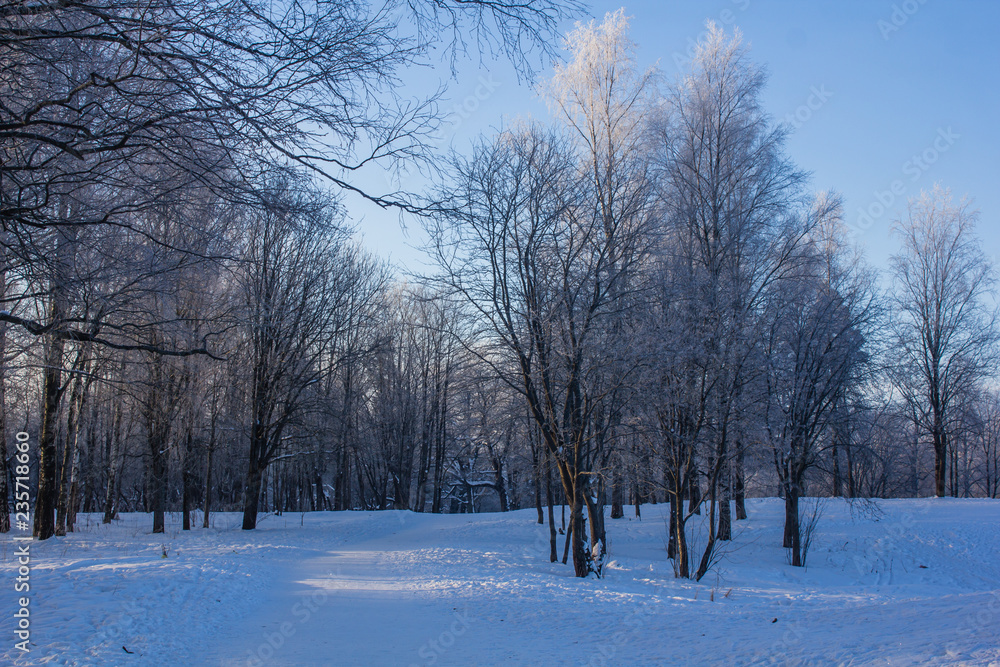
x=603, y=98
x=815, y=346
x=731, y=201
x=946, y=333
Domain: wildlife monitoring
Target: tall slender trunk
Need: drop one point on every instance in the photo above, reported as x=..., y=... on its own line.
x=793, y=537
x=572, y=483
x=158, y=434
x=617, y=502
x=682, y=567
x=428, y=413
x=553, y=548
x=739, y=484
x=251, y=498
x=52, y=389
x=709, y=553
x=207, y=507
x=694, y=489
x=158, y=481
x=158, y=470
x=838, y=482
x=69, y=447
x=188, y=483
x=725, y=510
x=45, y=503
x=598, y=538
x=536, y=464
x=208, y=463
x=69, y=490
x=940, y=453
x=112, y=449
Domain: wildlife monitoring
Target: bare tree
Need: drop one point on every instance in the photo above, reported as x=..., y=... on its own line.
x=91, y=85
x=946, y=334
x=294, y=283
x=604, y=98
x=731, y=201
x=524, y=252
x=815, y=347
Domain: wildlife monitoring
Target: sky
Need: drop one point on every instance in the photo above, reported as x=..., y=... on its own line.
x=885, y=97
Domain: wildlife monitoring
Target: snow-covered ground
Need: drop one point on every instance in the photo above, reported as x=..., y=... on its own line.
x=921, y=585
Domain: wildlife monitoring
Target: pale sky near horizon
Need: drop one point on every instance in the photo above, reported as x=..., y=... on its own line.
x=904, y=94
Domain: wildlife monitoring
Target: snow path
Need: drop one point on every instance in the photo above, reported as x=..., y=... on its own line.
x=919, y=586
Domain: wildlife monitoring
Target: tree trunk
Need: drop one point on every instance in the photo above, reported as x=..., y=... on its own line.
x=251, y=498
x=321, y=501
x=739, y=484
x=725, y=511
x=69, y=448
x=617, y=504
x=499, y=483
x=792, y=533
x=553, y=548
x=188, y=483
x=838, y=483
x=572, y=484
x=45, y=502
x=694, y=490
x=940, y=456
x=581, y=562
x=52, y=389
x=537, y=464
x=706, y=558
x=158, y=482
x=678, y=536
x=73, y=490
x=208, y=487
x=111, y=492
x=208, y=464
x=598, y=538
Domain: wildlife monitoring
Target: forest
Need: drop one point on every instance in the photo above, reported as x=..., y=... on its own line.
x=637, y=299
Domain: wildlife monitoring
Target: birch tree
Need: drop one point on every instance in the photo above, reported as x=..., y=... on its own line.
x=730, y=200
x=819, y=327
x=946, y=333
x=603, y=98
x=523, y=250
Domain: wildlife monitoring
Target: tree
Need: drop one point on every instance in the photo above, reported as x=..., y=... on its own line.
x=295, y=282
x=731, y=216
x=815, y=350
x=109, y=110
x=92, y=85
x=946, y=335
x=603, y=99
x=523, y=250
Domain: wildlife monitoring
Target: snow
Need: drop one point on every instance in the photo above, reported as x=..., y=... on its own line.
x=919, y=586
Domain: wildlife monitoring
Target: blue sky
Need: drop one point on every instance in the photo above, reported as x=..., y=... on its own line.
x=887, y=98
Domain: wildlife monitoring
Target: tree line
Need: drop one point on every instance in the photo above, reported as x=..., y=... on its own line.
x=636, y=301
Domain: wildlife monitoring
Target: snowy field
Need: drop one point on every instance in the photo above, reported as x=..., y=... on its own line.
x=920, y=585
